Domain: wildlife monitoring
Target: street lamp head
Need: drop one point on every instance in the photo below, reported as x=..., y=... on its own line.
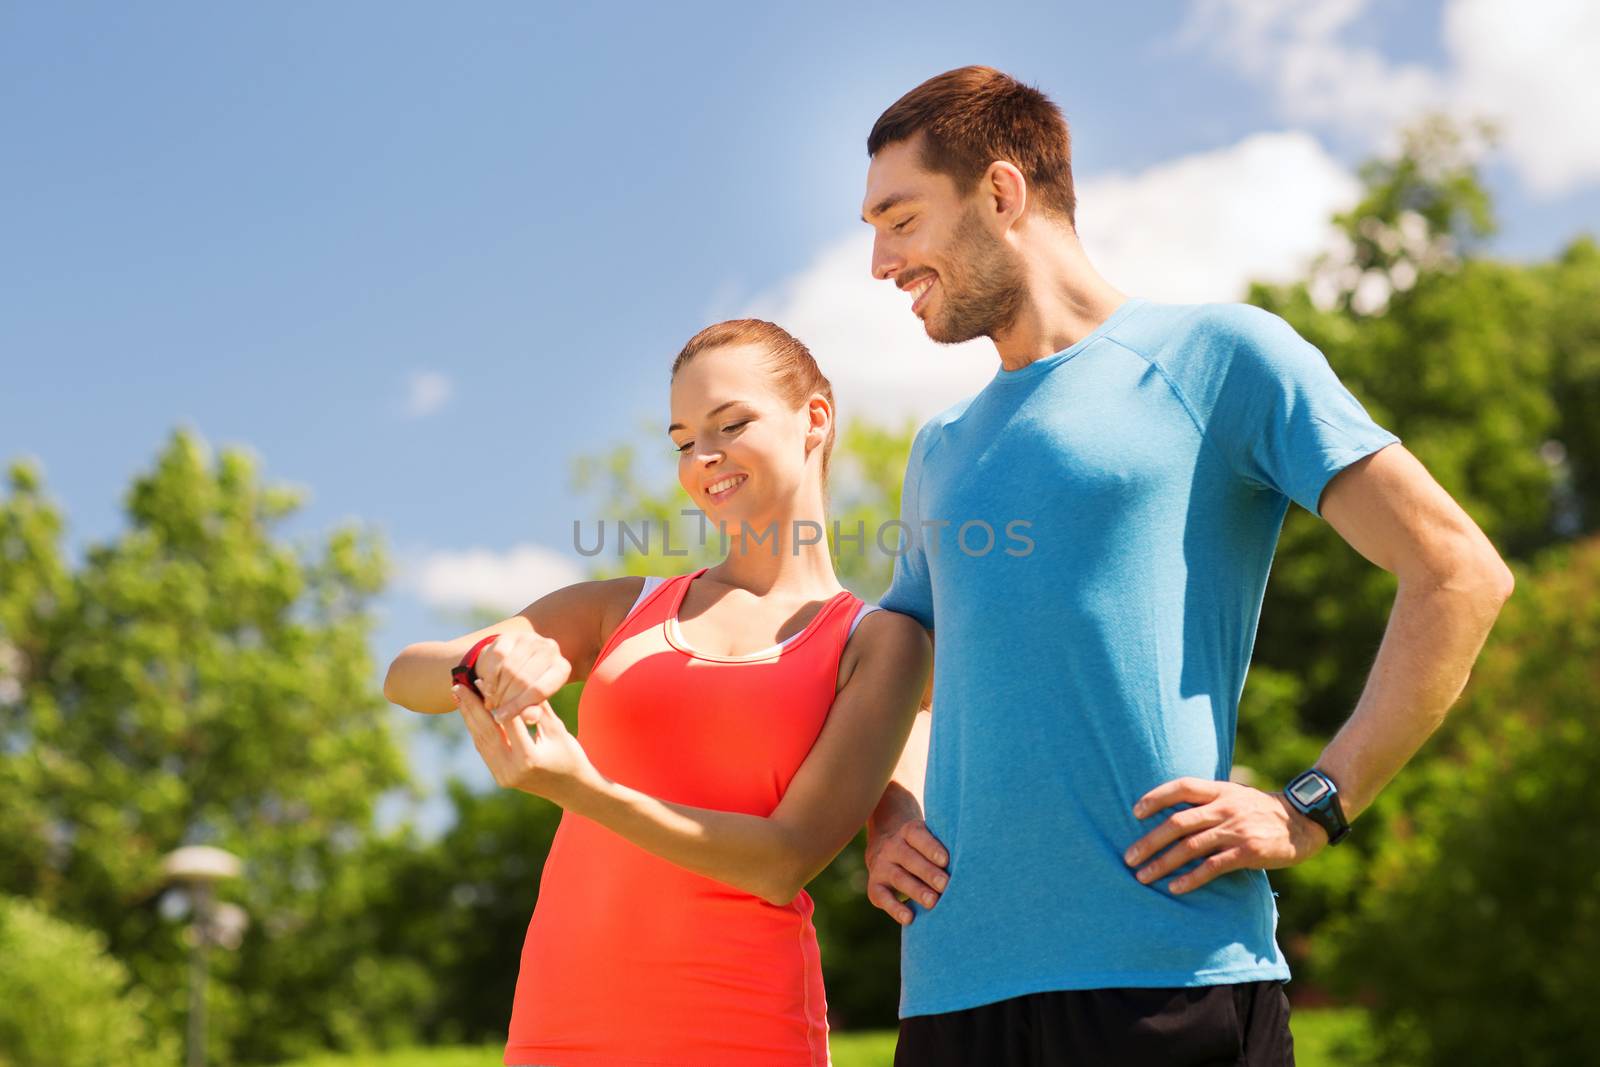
x=200, y=865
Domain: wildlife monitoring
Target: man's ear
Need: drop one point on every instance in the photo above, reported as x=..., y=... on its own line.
x=1005, y=192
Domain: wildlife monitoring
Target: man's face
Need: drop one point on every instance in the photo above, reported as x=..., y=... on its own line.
x=935, y=244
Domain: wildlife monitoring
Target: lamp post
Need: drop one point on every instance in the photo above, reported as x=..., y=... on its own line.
x=196, y=869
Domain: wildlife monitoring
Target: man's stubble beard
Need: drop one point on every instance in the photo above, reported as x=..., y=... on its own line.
x=984, y=294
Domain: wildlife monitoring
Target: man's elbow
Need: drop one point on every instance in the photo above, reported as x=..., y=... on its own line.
x=1470, y=569
x=1505, y=582
x=1493, y=580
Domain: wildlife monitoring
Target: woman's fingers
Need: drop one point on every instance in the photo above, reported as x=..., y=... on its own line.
x=527, y=694
x=525, y=667
x=477, y=718
x=548, y=720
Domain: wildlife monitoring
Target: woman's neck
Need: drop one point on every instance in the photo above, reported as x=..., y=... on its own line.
x=791, y=557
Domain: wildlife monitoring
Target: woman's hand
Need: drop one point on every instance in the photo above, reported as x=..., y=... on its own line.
x=548, y=762
x=518, y=672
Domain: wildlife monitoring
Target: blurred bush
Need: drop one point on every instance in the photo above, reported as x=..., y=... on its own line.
x=66, y=1002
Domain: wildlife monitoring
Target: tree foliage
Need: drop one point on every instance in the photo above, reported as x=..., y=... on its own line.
x=1478, y=939
x=195, y=680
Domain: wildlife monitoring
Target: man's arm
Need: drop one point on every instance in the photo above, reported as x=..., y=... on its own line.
x=903, y=856
x=1452, y=584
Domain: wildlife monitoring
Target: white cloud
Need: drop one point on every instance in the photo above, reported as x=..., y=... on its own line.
x=1531, y=66
x=1526, y=65
x=1194, y=229
x=1295, y=46
x=426, y=393
x=1202, y=227
x=505, y=581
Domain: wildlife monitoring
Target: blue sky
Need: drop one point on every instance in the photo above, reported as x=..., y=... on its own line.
x=419, y=257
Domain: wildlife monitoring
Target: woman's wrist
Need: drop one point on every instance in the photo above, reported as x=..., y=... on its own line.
x=584, y=792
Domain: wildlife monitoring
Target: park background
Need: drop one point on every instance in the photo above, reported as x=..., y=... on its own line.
x=324, y=323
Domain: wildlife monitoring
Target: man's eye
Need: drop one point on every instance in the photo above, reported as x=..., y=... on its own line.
x=902, y=224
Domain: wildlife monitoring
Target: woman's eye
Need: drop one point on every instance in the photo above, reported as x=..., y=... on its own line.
x=732, y=426
x=683, y=448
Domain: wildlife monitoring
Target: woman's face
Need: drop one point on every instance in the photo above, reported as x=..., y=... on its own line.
x=744, y=455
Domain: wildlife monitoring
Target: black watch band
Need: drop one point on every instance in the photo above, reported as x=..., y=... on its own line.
x=1314, y=795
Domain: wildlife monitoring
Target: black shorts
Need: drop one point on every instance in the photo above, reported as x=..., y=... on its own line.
x=1244, y=1025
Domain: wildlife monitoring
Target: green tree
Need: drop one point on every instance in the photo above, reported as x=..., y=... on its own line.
x=1573, y=279
x=194, y=680
x=1479, y=938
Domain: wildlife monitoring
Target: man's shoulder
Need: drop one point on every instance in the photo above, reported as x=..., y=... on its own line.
x=928, y=434
x=1171, y=332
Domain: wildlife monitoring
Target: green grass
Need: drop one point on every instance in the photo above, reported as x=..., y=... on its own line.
x=1324, y=1037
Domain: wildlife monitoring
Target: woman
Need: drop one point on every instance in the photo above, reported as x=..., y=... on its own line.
x=738, y=724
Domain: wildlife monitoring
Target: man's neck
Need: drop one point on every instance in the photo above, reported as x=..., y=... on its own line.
x=1067, y=299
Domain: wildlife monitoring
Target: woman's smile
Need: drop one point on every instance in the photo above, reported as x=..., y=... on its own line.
x=723, y=488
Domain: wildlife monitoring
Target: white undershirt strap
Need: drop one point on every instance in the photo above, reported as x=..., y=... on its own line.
x=650, y=583
x=862, y=612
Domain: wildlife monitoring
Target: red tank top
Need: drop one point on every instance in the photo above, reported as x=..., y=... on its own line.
x=631, y=960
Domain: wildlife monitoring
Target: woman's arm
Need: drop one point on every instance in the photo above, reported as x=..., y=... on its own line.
x=772, y=857
x=577, y=618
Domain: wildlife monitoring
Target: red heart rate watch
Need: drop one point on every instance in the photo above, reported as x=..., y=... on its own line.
x=466, y=673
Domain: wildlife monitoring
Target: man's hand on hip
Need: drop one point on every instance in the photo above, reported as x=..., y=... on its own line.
x=1231, y=826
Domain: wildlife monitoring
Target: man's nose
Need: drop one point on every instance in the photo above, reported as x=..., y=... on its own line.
x=884, y=262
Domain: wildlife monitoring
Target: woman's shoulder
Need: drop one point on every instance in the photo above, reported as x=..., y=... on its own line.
x=888, y=636
x=620, y=596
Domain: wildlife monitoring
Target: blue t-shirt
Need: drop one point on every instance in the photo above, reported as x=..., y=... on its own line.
x=1089, y=539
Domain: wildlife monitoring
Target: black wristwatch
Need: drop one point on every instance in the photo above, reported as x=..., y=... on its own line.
x=1314, y=795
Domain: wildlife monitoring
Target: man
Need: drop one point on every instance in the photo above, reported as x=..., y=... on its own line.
x=1087, y=886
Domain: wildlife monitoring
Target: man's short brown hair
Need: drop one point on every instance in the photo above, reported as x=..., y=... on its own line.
x=973, y=116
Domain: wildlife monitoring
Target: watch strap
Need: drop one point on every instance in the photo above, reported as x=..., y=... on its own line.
x=465, y=673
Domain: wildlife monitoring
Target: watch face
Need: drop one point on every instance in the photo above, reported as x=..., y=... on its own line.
x=1309, y=790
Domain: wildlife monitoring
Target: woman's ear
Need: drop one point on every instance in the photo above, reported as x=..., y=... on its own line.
x=820, y=412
